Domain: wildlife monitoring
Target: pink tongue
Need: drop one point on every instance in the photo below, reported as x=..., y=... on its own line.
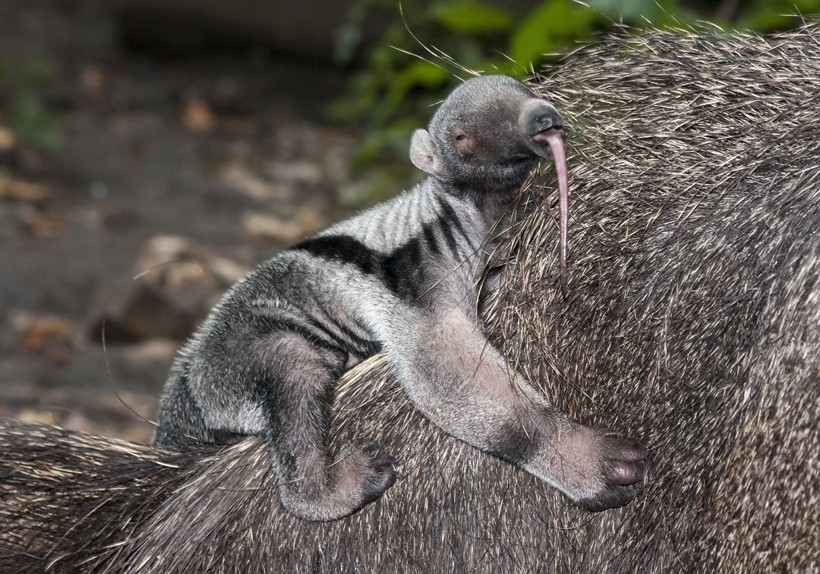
x=553, y=138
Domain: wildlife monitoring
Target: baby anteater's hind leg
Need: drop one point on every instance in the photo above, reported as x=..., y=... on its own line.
x=314, y=485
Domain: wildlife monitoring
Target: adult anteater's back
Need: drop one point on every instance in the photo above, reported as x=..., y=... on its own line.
x=693, y=320
x=694, y=312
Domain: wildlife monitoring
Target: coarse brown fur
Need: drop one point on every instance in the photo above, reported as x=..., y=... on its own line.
x=693, y=321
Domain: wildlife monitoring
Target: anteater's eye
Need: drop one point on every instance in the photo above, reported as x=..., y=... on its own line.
x=461, y=137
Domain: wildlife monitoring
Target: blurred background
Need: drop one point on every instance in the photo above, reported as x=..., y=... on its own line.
x=151, y=152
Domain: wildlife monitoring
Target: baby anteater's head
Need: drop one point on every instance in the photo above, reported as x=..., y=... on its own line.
x=486, y=137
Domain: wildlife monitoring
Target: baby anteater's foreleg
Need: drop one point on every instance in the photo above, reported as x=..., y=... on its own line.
x=462, y=383
x=299, y=398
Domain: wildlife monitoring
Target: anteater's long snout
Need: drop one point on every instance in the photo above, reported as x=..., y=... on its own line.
x=544, y=126
x=543, y=117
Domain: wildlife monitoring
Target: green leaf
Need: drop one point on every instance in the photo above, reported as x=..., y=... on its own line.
x=777, y=14
x=551, y=27
x=393, y=139
x=419, y=74
x=36, y=72
x=630, y=11
x=472, y=18
x=35, y=123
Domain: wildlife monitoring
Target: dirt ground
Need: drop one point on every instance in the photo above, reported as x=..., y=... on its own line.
x=228, y=152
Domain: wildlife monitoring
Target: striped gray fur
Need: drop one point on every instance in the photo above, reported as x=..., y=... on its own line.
x=405, y=277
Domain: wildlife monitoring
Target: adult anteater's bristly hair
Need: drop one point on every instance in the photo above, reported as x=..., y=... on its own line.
x=67, y=497
x=693, y=320
x=694, y=317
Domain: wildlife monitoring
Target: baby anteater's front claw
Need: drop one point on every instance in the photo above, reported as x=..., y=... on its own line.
x=623, y=467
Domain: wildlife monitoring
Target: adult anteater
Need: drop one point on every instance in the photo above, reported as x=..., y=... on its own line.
x=693, y=321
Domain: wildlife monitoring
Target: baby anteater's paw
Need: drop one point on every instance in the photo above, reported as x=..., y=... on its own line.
x=622, y=468
x=365, y=471
x=329, y=491
x=368, y=469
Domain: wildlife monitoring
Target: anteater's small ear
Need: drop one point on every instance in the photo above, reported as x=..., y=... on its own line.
x=423, y=154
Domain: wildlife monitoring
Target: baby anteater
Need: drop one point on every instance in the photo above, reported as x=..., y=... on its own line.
x=405, y=278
